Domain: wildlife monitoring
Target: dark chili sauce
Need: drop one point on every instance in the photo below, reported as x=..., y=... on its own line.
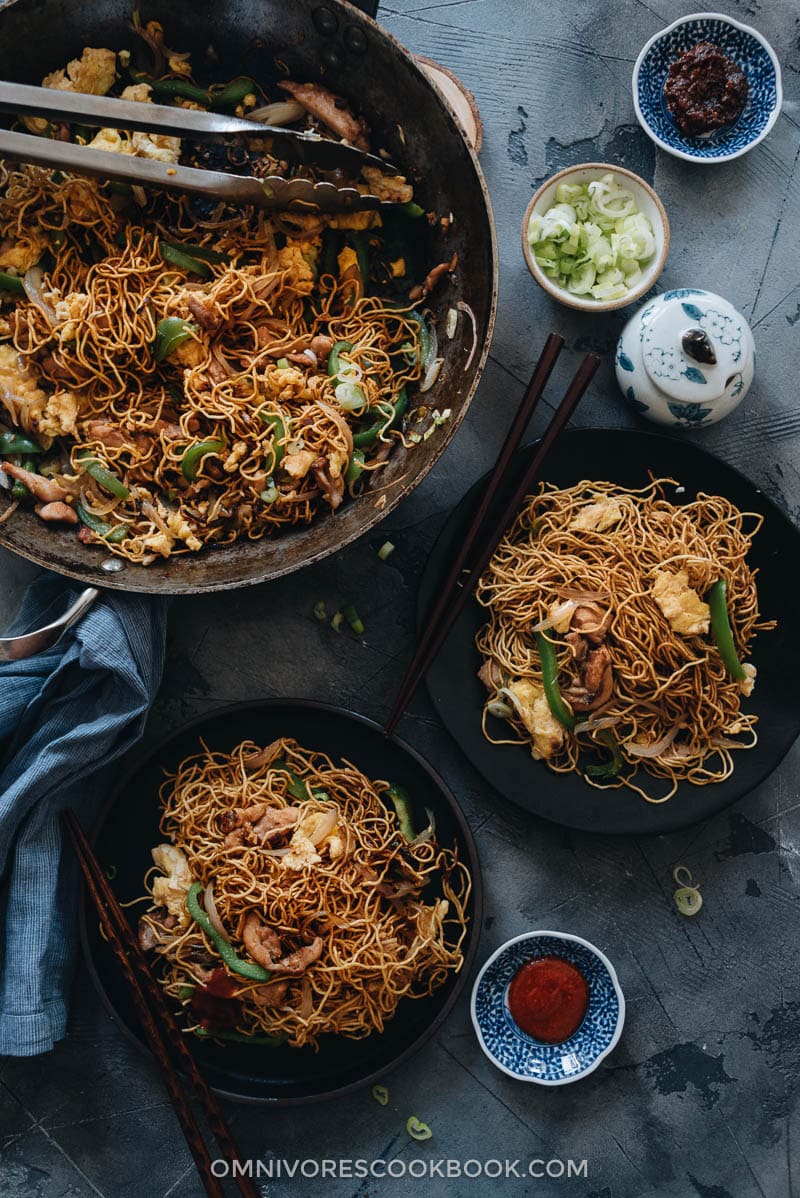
x=704, y=90
x=547, y=998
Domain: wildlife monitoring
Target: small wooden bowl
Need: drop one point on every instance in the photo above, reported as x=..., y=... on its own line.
x=646, y=201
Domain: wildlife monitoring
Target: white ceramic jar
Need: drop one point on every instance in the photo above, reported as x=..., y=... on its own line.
x=686, y=358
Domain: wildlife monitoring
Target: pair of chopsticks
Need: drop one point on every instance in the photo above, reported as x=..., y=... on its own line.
x=165, y=1038
x=480, y=542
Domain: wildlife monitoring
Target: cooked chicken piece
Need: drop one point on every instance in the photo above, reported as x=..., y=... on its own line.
x=231, y=463
x=321, y=346
x=56, y=513
x=490, y=674
x=93, y=73
x=597, y=682
x=156, y=928
x=170, y=887
x=688, y=615
x=259, y=824
x=350, y=271
x=591, y=621
x=263, y=944
x=264, y=756
x=579, y=646
x=189, y=353
x=158, y=147
x=328, y=473
x=46, y=489
x=271, y=995
x=206, y=315
x=107, y=434
x=139, y=93
x=331, y=109
x=530, y=703
x=597, y=517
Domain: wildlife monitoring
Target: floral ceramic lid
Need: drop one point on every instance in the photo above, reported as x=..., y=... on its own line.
x=692, y=350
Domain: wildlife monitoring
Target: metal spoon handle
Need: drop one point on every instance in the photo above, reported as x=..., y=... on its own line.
x=14, y=648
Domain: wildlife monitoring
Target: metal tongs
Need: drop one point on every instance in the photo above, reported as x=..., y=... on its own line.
x=272, y=192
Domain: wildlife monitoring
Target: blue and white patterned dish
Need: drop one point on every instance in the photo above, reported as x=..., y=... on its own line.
x=741, y=43
x=520, y=1055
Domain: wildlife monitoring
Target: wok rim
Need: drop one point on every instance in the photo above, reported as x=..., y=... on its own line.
x=91, y=574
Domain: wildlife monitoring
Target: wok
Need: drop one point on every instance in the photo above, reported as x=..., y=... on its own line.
x=335, y=42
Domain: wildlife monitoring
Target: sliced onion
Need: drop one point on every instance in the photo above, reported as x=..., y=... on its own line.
x=277, y=852
x=212, y=913
x=431, y=374
x=427, y=833
x=139, y=195
x=32, y=282
x=605, y=721
x=349, y=372
x=555, y=617
x=452, y=323
x=500, y=710
x=462, y=307
x=656, y=749
x=433, y=340
x=282, y=112
x=350, y=396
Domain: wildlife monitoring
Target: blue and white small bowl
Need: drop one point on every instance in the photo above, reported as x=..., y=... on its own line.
x=741, y=43
x=520, y=1055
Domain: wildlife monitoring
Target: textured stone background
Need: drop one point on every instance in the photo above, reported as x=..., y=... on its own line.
x=700, y=1098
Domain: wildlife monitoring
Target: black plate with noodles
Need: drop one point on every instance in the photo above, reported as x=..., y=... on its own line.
x=636, y=638
x=313, y=904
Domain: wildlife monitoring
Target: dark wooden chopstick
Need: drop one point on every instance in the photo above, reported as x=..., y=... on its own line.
x=480, y=543
x=159, y=1025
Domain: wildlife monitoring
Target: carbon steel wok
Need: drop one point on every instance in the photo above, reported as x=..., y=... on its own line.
x=333, y=41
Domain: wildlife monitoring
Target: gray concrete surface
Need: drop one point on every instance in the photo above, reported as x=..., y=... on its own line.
x=700, y=1099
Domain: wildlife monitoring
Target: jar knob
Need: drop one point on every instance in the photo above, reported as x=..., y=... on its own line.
x=698, y=346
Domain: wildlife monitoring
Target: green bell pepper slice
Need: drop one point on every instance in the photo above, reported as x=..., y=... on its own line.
x=247, y=969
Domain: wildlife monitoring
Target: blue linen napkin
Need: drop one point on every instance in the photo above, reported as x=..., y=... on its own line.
x=65, y=716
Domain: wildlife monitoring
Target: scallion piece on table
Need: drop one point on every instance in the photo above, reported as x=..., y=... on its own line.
x=353, y=619
x=386, y=550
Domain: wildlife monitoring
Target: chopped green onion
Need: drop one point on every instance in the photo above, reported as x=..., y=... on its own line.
x=350, y=396
x=386, y=550
x=413, y=209
x=193, y=456
x=320, y=611
x=270, y=493
x=380, y=1094
x=687, y=897
x=17, y=443
x=337, y=620
x=608, y=769
x=353, y=619
x=239, y=1037
x=417, y=1130
x=185, y=992
x=111, y=872
x=282, y=363
x=104, y=477
x=170, y=333
x=593, y=240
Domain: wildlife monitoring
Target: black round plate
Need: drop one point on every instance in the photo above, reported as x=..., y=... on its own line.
x=129, y=829
x=627, y=458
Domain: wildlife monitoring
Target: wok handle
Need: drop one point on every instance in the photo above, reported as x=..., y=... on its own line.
x=15, y=648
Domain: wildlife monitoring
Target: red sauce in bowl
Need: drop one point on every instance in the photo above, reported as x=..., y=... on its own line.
x=548, y=998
